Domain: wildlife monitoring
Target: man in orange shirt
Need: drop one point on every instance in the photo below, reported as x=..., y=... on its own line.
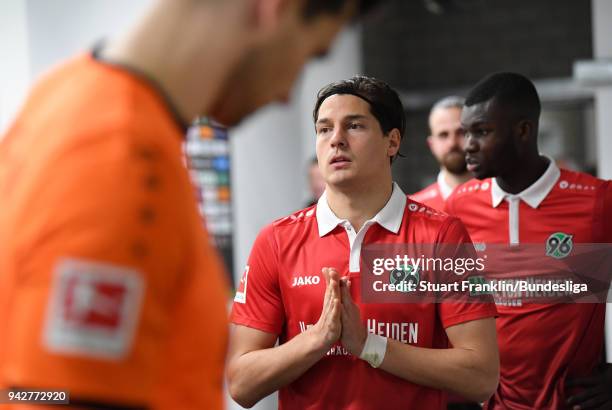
x=109, y=287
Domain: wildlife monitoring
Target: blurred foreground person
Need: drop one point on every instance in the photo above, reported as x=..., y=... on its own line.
x=109, y=287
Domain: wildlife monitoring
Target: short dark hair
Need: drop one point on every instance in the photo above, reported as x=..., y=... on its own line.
x=511, y=90
x=313, y=8
x=385, y=103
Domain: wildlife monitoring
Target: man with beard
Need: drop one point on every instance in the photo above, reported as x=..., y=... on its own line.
x=445, y=143
x=109, y=287
x=549, y=352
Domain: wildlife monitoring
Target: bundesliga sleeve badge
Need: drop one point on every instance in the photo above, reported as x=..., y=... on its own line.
x=93, y=309
x=241, y=292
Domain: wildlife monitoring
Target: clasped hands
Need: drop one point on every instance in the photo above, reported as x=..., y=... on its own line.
x=340, y=318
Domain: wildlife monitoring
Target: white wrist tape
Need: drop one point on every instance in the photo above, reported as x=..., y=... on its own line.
x=374, y=349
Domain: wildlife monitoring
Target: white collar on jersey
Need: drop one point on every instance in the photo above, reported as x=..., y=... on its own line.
x=390, y=217
x=445, y=189
x=534, y=194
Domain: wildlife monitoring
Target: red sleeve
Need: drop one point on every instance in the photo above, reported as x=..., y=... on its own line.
x=454, y=241
x=258, y=302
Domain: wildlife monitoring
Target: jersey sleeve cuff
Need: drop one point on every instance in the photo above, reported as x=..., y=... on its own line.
x=255, y=324
x=485, y=311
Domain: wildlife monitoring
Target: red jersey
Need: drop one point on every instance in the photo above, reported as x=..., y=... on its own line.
x=435, y=194
x=282, y=293
x=541, y=345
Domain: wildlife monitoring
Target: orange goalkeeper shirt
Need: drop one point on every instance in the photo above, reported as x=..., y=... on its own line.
x=109, y=287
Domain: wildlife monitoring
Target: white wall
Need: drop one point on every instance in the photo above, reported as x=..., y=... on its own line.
x=14, y=59
x=59, y=29
x=37, y=34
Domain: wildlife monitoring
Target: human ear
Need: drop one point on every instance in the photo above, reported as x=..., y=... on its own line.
x=523, y=130
x=394, y=142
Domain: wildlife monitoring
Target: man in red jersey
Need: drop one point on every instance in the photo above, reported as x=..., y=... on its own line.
x=548, y=352
x=109, y=287
x=301, y=284
x=446, y=144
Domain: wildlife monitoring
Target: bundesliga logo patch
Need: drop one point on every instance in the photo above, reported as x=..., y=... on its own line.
x=241, y=292
x=93, y=309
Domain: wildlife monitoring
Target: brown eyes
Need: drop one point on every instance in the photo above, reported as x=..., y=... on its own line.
x=350, y=126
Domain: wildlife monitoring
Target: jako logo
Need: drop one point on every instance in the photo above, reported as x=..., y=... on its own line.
x=305, y=280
